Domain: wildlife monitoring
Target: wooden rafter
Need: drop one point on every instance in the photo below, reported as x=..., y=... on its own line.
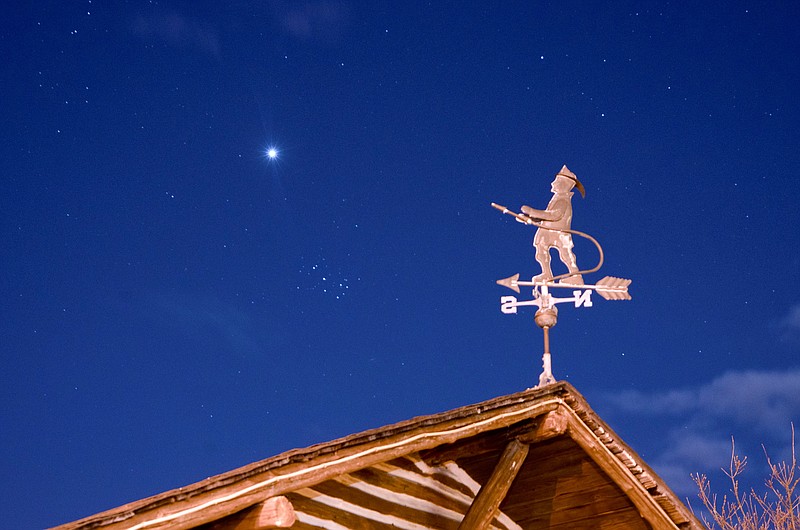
x=275, y=512
x=619, y=473
x=478, y=445
x=484, y=507
x=550, y=425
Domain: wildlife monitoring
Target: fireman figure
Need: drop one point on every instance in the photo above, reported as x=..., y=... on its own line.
x=554, y=221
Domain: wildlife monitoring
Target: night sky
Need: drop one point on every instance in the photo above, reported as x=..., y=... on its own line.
x=176, y=303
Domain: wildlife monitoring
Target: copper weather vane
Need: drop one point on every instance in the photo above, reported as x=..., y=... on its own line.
x=553, y=230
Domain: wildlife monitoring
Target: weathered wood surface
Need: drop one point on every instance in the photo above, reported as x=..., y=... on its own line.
x=229, y=493
x=276, y=512
x=488, y=442
x=566, y=488
x=348, y=468
x=619, y=472
x=536, y=430
x=403, y=493
x=548, y=426
x=484, y=507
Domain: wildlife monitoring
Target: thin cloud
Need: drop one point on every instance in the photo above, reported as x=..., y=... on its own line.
x=758, y=400
x=323, y=20
x=789, y=325
x=687, y=454
x=696, y=424
x=178, y=30
x=197, y=317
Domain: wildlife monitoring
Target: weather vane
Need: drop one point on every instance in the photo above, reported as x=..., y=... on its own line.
x=553, y=230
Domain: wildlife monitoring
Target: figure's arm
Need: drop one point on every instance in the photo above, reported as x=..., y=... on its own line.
x=554, y=212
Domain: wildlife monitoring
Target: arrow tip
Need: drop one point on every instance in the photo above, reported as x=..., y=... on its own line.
x=510, y=282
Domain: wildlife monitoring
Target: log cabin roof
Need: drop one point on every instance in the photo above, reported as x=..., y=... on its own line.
x=532, y=460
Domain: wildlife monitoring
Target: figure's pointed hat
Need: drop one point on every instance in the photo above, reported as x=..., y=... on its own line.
x=565, y=172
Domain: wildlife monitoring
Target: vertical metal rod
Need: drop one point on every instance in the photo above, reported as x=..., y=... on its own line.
x=546, y=317
x=546, y=340
x=546, y=376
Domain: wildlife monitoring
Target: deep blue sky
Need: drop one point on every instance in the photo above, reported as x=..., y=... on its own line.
x=175, y=304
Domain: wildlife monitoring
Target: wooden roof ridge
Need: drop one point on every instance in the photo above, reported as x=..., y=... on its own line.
x=656, y=487
x=228, y=493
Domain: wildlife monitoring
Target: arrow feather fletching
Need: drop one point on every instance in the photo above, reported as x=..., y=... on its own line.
x=612, y=288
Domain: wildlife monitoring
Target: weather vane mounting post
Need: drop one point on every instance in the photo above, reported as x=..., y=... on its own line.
x=553, y=230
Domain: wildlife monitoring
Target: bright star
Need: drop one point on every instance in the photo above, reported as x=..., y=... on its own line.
x=272, y=153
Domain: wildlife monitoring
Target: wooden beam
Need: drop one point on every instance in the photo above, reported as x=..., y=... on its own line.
x=216, y=497
x=648, y=507
x=546, y=426
x=552, y=424
x=483, y=443
x=275, y=512
x=484, y=507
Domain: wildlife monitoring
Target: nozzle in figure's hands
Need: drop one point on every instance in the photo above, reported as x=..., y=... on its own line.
x=518, y=216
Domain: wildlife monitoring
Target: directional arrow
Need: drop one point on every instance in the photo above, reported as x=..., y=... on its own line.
x=510, y=282
x=610, y=287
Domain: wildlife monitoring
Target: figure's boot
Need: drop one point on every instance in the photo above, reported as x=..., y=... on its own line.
x=542, y=278
x=576, y=279
x=547, y=273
